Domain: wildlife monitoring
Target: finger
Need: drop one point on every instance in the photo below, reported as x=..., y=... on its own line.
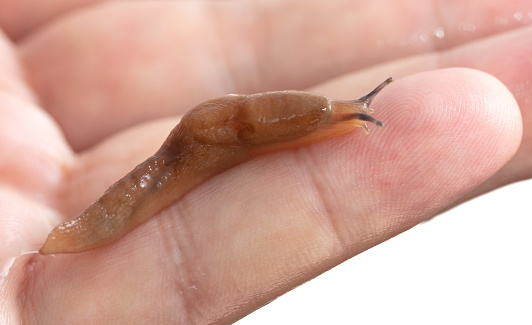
x=294, y=214
x=33, y=157
x=505, y=56
x=21, y=17
x=11, y=78
x=34, y=160
x=104, y=69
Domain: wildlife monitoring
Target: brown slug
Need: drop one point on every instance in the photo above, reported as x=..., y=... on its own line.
x=214, y=136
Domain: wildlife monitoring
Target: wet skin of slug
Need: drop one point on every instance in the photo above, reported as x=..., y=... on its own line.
x=214, y=136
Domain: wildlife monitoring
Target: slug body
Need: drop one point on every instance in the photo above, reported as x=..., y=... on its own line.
x=212, y=137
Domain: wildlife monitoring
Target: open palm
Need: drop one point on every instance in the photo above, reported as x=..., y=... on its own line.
x=90, y=89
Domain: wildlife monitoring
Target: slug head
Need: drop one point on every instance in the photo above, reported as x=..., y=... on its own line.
x=356, y=113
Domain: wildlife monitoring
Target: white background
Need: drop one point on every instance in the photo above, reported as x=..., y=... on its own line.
x=470, y=265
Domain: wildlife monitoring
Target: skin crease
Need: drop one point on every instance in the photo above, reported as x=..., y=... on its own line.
x=212, y=137
x=82, y=105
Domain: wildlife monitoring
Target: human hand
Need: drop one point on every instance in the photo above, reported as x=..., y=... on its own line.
x=97, y=68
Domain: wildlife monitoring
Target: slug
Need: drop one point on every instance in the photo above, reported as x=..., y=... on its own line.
x=212, y=137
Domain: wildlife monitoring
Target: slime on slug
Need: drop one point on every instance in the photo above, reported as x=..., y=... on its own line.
x=214, y=136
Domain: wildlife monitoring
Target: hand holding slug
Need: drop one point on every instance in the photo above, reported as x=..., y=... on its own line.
x=214, y=136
